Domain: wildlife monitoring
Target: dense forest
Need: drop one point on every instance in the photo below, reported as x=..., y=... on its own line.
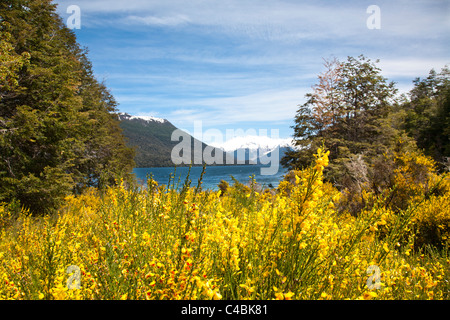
x=59, y=132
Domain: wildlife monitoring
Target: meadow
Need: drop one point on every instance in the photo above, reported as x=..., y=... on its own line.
x=242, y=242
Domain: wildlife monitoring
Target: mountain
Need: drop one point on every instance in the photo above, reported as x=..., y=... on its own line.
x=252, y=149
x=152, y=139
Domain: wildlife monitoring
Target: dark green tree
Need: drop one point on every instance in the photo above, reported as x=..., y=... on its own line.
x=427, y=117
x=58, y=129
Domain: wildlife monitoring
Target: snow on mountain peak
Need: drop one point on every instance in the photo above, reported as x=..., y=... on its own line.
x=253, y=143
x=145, y=118
x=148, y=118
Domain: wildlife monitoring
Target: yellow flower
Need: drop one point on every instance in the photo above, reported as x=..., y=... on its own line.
x=279, y=296
x=289, y=295
x=369, y=295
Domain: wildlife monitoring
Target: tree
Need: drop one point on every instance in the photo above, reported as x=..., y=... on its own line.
x=317, y=117
x=347, y=112
x=427, y=117
x=58, y=129
x=10, y=61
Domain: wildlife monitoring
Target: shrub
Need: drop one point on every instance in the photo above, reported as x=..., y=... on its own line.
x=163, y=243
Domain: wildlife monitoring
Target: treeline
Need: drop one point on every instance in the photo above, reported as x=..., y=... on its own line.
x=369, y=129
x=59, y=131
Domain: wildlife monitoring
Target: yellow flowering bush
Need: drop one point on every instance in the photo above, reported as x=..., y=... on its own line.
x=161, y=242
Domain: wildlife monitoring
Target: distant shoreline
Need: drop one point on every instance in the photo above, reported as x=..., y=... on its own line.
x=213, y=176
x=201, y=165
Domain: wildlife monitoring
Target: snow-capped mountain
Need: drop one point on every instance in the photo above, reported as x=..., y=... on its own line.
x=251, y=148
x=151, y=138
x=254, y=142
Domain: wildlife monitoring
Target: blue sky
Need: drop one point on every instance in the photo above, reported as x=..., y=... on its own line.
x=247, y=64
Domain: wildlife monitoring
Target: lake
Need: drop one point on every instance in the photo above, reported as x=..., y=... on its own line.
x=212, y=176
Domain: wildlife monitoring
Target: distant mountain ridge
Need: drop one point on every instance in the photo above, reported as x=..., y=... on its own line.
x=252, y=149
x=254, y=142
x=152, y=139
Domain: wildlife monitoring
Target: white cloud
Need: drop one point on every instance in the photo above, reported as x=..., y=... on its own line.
x=272, y=19
x=411, y=67
x=268, y=20
x=159, y=21
x=265, y=106
x=237, y=61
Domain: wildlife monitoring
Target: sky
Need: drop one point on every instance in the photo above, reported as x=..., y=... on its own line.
x=246, y=65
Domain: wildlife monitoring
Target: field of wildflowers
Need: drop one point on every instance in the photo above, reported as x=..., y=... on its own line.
x=169, y=242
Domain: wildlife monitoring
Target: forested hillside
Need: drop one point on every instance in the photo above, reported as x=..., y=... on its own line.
x=152, y=141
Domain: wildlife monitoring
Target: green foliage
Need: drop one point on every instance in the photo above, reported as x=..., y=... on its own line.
x=10, y=61
x=58, y=130
x=347, y=113
x=378, y=144
x=427, y=114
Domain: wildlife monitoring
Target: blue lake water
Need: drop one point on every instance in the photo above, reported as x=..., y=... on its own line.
x=212, y=176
